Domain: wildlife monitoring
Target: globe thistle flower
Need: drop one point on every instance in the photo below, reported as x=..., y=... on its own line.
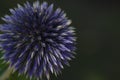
x=37, y=40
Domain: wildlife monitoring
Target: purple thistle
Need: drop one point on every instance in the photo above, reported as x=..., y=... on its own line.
x=37, y=41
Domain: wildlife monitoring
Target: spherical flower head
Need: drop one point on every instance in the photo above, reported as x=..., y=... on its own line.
x=37, y=40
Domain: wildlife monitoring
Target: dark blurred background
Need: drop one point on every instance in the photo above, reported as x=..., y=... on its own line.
x=97, y=25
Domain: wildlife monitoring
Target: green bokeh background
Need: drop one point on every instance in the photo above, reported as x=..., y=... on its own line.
x=97, y=26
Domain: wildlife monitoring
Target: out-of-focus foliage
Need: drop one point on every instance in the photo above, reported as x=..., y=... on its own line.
x=3, y=66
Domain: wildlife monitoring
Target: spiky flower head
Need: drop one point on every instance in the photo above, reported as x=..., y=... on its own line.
x=37, y=40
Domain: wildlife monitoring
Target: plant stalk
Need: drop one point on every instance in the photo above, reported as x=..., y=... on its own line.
x=6, y=74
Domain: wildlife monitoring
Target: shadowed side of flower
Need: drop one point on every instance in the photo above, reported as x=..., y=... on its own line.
x=37, y=40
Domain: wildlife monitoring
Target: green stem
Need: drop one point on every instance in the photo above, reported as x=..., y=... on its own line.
x=6, y=74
